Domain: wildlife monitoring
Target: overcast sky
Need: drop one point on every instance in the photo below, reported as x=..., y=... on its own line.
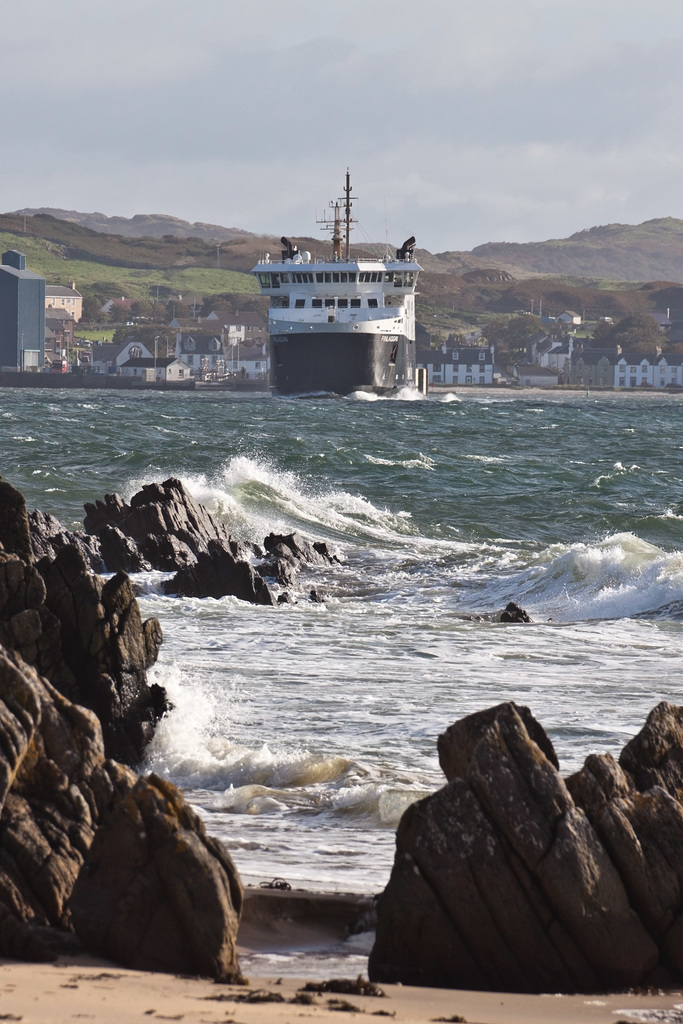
x=461, y=122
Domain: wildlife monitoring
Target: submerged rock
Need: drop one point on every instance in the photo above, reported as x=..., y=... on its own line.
x=511, y=878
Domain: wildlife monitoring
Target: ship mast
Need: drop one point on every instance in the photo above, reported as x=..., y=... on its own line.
x=335, y=225
x=347, y=213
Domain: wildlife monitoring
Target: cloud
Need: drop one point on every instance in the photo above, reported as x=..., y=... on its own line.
x=464, y=123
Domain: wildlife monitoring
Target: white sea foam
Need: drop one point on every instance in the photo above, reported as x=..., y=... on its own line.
x=619, y=576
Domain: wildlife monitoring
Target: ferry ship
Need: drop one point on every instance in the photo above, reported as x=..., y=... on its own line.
x=344, y=323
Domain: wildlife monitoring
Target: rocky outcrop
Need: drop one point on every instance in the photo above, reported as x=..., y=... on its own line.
x=163, y=527
x=157, y=893
x=217, y=573
x=169, y=528
x=85, y=844
x=48, y=537
x=84, y=635
x=511, y=878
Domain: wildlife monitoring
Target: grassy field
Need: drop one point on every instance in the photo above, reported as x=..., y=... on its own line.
x=91, y=277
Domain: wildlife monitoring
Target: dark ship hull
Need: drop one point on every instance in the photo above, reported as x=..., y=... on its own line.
x=340, y=362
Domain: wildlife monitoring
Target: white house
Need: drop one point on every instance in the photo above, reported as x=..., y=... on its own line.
x=667, y=371
x=108, y=358
x=569, y=317
x=531, y=375
x=458, y=366
x=632, y=370
x=150, y=369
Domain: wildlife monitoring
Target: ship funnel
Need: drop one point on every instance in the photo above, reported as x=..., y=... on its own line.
x=290, y=250
x=406, y=250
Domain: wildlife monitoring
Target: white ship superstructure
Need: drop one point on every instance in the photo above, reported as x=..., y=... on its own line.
x=341, y=324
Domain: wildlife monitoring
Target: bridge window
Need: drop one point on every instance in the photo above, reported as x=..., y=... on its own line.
x=300, y=303
x=264, y=280
x=372, y=303
x=342, y=303
x=355, y=303
x=329, y=303
x=317, y=303
x=320, y=277
x=389, y=277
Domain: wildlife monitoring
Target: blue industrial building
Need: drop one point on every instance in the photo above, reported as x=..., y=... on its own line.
x=22, y=315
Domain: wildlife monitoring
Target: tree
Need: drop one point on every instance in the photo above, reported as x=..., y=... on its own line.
x=511, y=333
x=636, y=332
x=119, y=313
x=92, y=308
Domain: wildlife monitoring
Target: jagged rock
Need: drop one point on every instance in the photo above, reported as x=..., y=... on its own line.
x=15, y=534
x=501, y=881
x=655, y=756
x=217, y=573
x=157, y=893
x=457, y=744
x=48, y=537
x=83, y=841
x=85, y=636
x=168, y=526
x=514, y=613
x=107, y=648
x=54, y=784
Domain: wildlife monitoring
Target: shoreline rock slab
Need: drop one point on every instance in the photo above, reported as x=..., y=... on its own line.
x=511, y=878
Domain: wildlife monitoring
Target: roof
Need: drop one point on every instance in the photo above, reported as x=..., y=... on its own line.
x=60, y=289
x=150, y=362
x=534, y=370
x=57, y=323
x=202, y=344
x=23, y=275
x=592, y=356
x=229, y=319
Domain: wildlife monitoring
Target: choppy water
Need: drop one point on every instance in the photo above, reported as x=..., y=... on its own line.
x=302, y=732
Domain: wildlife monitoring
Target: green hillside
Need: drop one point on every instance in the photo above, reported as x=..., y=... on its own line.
x=652, y=251
x=111, y=266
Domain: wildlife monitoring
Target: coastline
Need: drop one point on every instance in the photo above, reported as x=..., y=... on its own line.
x=89, y=988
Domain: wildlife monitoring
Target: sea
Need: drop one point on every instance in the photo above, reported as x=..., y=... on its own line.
x=301, y=733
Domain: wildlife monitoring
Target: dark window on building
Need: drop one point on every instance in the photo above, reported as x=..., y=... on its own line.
x=342, y=303
x=372, y=303
x=329, y=303
x=300, y=303
x=317, y=303
x=355, y=303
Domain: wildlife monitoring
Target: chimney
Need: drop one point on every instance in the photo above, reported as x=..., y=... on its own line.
x=72, y=286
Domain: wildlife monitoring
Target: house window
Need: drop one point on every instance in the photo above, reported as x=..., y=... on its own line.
x=482, y=357
x=622, y=382
x=468, y=380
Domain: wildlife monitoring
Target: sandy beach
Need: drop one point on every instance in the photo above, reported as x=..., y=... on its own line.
x=83, y=987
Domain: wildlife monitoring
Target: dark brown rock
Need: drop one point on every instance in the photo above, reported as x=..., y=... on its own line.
x=655, y=756
x=146, y=883
x=156, y=893
x=168, y=526
x=507, y=883
x=456, y=745
x=15, y=534
x=107, y=648
x=48, y=537
x=217, y=573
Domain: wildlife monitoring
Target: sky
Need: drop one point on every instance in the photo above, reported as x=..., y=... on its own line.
x=461, y=122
